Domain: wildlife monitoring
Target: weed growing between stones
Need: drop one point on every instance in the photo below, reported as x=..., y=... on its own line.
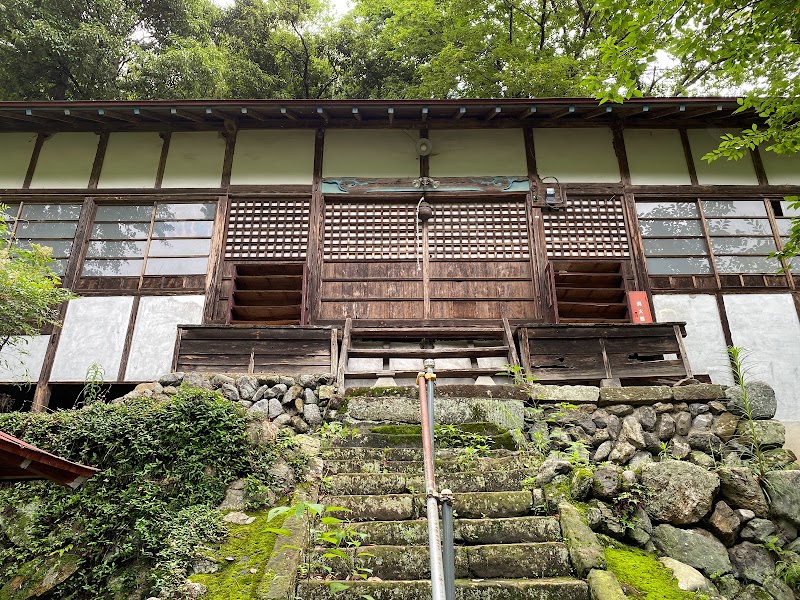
x=737, y=356
x=335, y=431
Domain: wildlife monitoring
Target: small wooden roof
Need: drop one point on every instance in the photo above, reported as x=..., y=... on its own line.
x=20, y=461
x=159, y=115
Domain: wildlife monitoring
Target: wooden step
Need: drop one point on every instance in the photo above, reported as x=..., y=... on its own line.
x=267, y=297
x=440, y=373
x=269, y=282
x=265, y=313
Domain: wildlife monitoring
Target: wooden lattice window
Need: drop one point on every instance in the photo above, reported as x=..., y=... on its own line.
x=370, y=230
x=274, y=228
x=587, y=228
x=479, y=230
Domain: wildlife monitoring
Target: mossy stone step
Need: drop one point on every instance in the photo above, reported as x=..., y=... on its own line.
x=492, y=589
x=532, y=561
x=481, y=464
x=372, y=453
x=399, y=483
x=467, y=531
x=401, y=507
x=410, y=436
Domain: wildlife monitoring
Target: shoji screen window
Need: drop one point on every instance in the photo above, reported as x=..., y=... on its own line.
x=153, y=239
x=783, y=219
x=708, y=236
x=50, y=225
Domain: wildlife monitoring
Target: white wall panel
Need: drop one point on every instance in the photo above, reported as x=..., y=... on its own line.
x=722, y=171
x=781, y=169
x=155, y=331
x=766, y=325
x=370, y=153
x=656, y=157
x=705, y=339
x=576, y=155
x=272, y=157
x=94, y=332
x=477, y=153
x=194, y=160
x=15, y=156
x=66, y=161
x=23, y=361
x=131, y=160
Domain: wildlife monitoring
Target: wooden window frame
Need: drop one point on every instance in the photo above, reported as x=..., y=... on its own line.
x=718, y=279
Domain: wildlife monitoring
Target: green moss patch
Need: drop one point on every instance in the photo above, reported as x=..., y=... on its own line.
x=448, y=436
x=250, y=547
x=381, y=392
x=642, y=576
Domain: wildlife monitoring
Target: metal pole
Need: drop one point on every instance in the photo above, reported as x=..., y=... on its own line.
x=432, y=503
x=429, y=364
x=448, y=547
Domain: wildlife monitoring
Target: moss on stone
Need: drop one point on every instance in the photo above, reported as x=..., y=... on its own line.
x=250, y=546
x=410, y=435
x=642, y=576
x=381, y=392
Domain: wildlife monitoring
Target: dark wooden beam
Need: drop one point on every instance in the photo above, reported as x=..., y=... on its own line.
x=531, y=110
x=227, y=163
x=216, y=260
x=289, y=114
x=149, y=114
x=492, y=113
x=126, y=347
x=37, y=150
x=390, y=112
x=356, y=114
x=667, y=112
x=253, y=114
x=603, y=110
x=162, y=161
x=687, y=153
x=460, y=113
x=323, y=113
x=120, y=116
x=187, y=115
x=563, y=112
x=700, y=112
x=424, y=114
x=315, y=224
x=99, y=157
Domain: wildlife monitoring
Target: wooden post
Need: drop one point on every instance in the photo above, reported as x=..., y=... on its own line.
x=348, y=326
x=536, y=234
x=513, y=358
x=316, y=218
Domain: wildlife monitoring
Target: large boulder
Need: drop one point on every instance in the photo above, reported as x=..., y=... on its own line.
x=694, y=547
x=724, y=523
x=769, y=434
x=740, y=488
x=783, y=488
x=760, y=397
x=679, y=492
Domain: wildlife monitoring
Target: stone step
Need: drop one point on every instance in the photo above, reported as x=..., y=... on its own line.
x=443, y=464
x=466, y=531
x=402, y=507
x=367, y=453
x=399, y=483
x=532, y=561
x=400, y=435
x=490, y=589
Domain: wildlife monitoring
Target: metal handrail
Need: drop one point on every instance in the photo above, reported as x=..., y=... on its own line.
x=442, y=565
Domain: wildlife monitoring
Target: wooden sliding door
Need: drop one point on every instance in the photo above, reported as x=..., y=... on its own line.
x=470, y=261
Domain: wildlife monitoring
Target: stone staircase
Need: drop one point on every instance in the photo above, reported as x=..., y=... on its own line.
x=506, y=547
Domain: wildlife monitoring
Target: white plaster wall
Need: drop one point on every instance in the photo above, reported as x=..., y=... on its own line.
x=131, y=160
x=721, y=171
x=766, y=325
x=705, y=339
x=194, y=160
x=23, y=361
x=94, y=332
x=155, y=331
x=576, y=155
x=656, y=157
x=271, y=157
x=15, y=156
x=370, y=153
x=477, y=153
x=66, y=161
x=781, y=169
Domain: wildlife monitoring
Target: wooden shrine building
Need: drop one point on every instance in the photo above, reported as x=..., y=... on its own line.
x=361, y=236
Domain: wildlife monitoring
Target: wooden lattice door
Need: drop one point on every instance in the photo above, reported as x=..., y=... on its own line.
x=470, y=261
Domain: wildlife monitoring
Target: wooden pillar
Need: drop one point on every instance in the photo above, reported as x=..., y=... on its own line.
x=315, y=225
x=41, y=397
x=536, y=236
